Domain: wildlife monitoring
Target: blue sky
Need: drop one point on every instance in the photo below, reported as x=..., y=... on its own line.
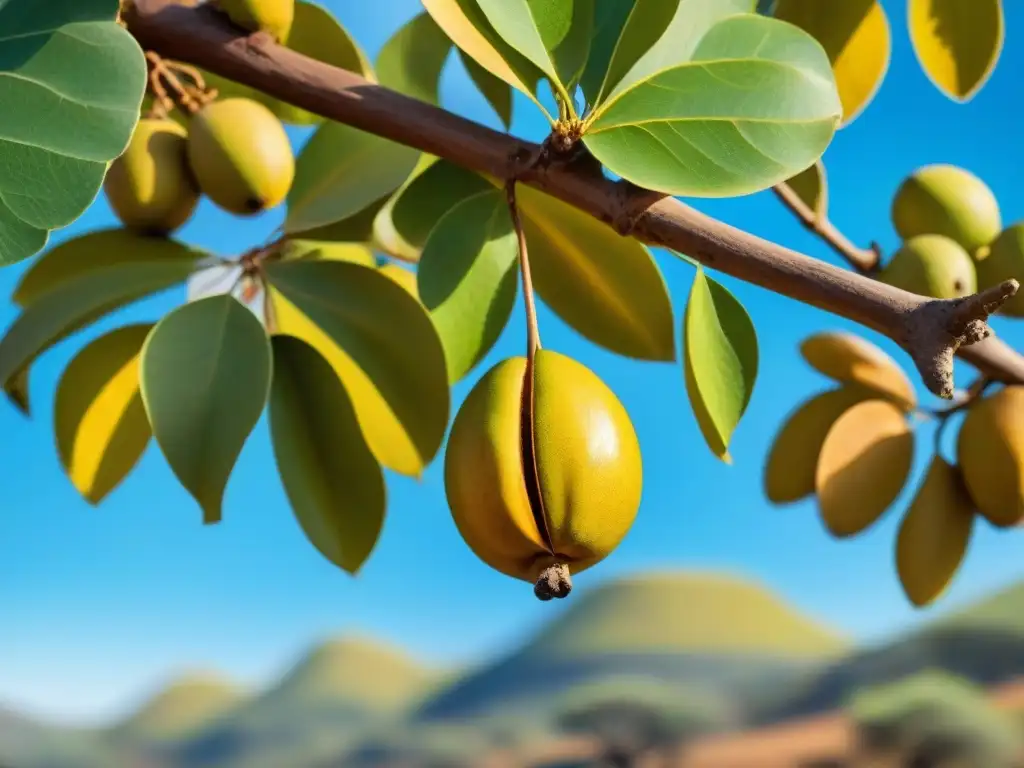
x=102, y=604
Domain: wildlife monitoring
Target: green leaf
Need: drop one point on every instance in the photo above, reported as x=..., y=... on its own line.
x=553, y=34
x=412, y=60
x=625, y=31
x=99, y=420
x=333, y=482
x=497, y=92
x=357, y=228
x=856, y=36
x=381, y=343
x=467, y=278
x=418, y=208
x=341, y=171
x=317, y=34
x=720, y=361
x=957, y=43
x=17, y=390
x=811, y=186
x=756, y=103
x=469, y=29
x=385, y=237
x=678, y=41
x=96, y=250
x=606, y=286
x=206, y=370
x=78, y=302
x=325, y=250
x=71, y=84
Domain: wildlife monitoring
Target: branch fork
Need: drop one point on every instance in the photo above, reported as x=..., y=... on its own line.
x=937, y=329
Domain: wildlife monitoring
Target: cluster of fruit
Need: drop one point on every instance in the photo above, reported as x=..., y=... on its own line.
x=235, y=151
x=852, y=448
x=954, y=243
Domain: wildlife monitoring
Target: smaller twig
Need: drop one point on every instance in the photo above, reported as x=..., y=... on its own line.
x=269, y=312
x=934, y=331
x=864, y=260
x=974, y=393
x=532, y=328
x=163, y=78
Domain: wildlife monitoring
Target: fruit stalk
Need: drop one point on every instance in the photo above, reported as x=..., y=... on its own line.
x=532, y=328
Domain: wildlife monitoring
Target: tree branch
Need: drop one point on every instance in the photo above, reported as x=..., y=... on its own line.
x=862, y=259
x=931, y=331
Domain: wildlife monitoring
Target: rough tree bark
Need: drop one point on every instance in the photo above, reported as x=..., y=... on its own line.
x=930, y=331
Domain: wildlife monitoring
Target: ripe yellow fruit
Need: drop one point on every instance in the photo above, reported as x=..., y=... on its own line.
x=150, y=186
x=271, y=16
x=241, y=156
x=990, y=452
x=947, y=200
x=932, y=265
x=863, y=466
x=1005, y=261
x=790, y=468
x=934, y=534
x=539, y=493
x=849, y=359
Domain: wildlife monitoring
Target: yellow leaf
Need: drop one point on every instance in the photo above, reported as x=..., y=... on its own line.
x=99, y=419
x=384, y=348
x=855, y=34
x=333, y=482
x=811, y=186
x=957, y=42
x=469, y=29
x=606, y=286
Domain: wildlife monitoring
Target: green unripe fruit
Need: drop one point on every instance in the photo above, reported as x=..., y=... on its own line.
x=241, y=156
x=150, y=186
x=271, y=16
x=946, y=200
x=1005, y=261
x=932, y=265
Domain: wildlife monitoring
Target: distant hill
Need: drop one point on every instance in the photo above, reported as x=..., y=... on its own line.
x=983, y=642
x=183, y=707
x=687, y=613
x=314, y=710
x=700, y=630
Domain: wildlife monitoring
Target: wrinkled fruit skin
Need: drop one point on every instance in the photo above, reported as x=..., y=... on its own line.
x=946, y=200
x=990, y=452
x=1005, y=261
x=582, y=498
x=150, y=187
x=241, y=156
x=271, y=16
x=932, y=265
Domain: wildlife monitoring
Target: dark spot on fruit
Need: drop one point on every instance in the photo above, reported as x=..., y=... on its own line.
x=958, y=286
x=254, y=204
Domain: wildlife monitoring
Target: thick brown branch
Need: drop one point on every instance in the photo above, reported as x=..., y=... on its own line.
x=205, y=38
x=861, y=259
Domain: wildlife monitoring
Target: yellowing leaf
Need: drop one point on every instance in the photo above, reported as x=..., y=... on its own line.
x=205, y=371
x=720, y=361
x=99, y=419
x=320, y=250
x=957, y=42
x=412, y=60
x=470, y=30
x=333, y=482
x=606, y=286
x=864, y=463
x=80, y=301
x=855, y=34
x=93, y=251
x=341, y=171
x=382, y=345
x=404, y=277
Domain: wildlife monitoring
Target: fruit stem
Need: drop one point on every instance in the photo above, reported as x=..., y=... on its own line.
x=974, y=393
x=553, y=582
x=163, y=75
x=532, y=328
